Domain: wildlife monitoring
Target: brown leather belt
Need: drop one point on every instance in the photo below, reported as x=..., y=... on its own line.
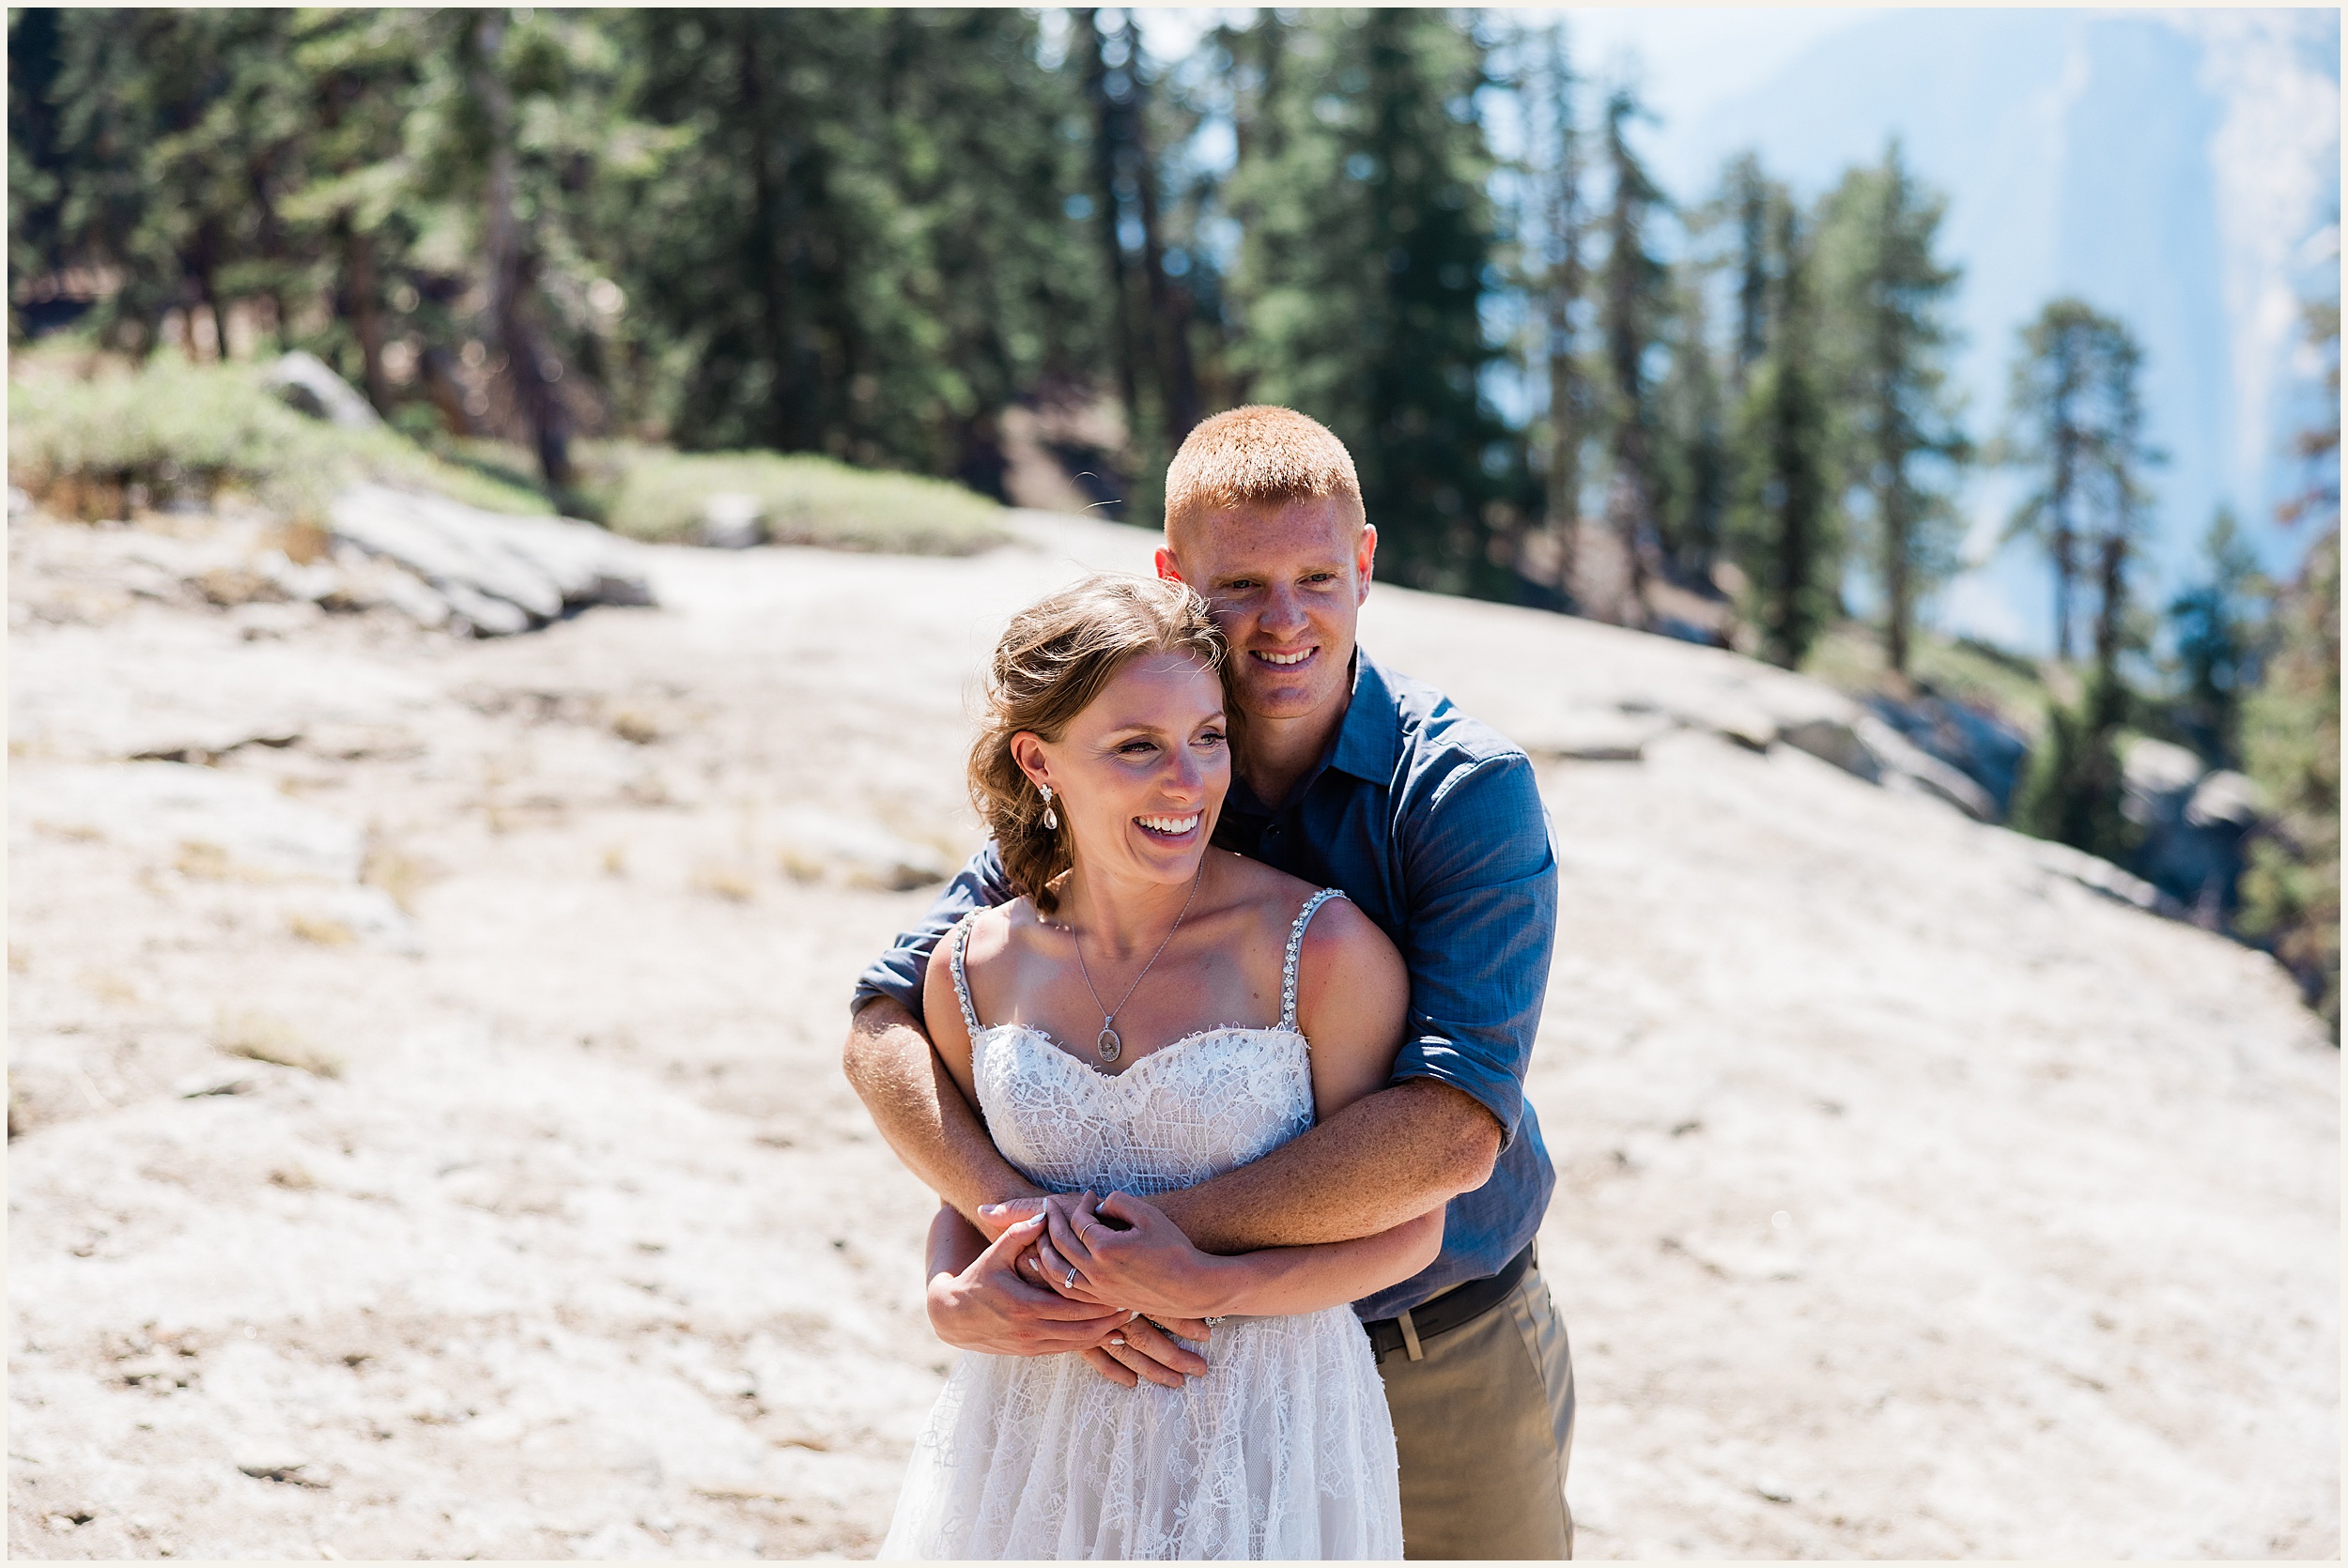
x=1453, y=1308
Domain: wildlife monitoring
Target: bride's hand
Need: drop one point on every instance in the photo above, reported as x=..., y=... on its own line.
x=987, y=1307
x=1123, y=1250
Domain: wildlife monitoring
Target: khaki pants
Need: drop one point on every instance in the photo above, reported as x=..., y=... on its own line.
x=1484, y=1427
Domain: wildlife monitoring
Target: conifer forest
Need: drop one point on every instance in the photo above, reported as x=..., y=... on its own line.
x=974, y=245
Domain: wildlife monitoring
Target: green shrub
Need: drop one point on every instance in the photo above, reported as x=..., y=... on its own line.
x=654, y=494
x=182, y=432
x=2072, y=791
x=2291, y=732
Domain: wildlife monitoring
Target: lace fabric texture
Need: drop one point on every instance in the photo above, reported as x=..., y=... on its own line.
x=1284, y=1450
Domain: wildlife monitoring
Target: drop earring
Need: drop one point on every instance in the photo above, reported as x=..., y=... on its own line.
x=1051, y=818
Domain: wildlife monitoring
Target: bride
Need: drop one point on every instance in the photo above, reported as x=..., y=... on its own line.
x=1150, y=1013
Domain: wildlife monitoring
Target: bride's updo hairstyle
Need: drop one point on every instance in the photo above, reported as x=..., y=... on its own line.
x=1055, y=657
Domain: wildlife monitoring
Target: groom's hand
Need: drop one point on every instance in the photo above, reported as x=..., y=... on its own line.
x=1143, y=1351
x=1137, y=1349
x=988, y=1308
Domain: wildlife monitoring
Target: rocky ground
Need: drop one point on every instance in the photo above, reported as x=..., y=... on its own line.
x=427, y=1137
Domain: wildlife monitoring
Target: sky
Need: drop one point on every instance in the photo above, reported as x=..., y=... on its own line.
x=2177, y=168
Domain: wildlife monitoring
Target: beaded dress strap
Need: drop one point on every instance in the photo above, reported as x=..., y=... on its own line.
x=955, y=944
x=1296, y=945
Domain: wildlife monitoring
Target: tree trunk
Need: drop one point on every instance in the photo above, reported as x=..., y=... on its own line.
x=1753, y=278
x=1566, y=395
x=766, y=260
x=1106, y=128
x=1169, y=312
x=446, y=391
x=530, y=365
x=2061, y=542
x=1897, y=586
x=366, y=319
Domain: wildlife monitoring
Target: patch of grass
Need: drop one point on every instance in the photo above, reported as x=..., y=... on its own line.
x=200, y=861
x=258, y=1038
x=322, y=929
x=636, y=726
x=719, y=880
x=1850, y=657
x=654, y=494
x=398, y=876
x=168, y=432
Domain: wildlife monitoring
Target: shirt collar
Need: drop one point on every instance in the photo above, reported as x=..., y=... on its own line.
x=1366, y=745
x=1370, y=741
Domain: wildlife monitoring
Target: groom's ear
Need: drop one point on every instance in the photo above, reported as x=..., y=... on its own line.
x=1169, y=568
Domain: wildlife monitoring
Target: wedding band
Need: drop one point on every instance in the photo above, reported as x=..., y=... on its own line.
x=1070, y=1282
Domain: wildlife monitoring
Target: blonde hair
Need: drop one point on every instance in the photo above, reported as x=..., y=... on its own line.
x=1055, y=657
x=1256, y=456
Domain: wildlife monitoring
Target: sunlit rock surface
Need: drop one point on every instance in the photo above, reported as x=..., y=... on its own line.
x=1917, y=1198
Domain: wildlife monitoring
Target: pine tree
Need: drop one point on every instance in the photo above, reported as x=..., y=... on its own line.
x=2217, y=625
x=1361, y=290
x=1693, y=467
x=2291, y=725
x=1634, y=287
x=1149, y=315
x=1745, y=201
x=2053, y=427
x=1112, y=166
x=2074, y=791
x=850, y=231
x=37, y=165
x=1903, y=448
x=1563, y=282
x=166, y=126
x=1781, y=526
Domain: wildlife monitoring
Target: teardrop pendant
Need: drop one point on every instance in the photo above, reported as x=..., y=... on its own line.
x=1109, y=1045
x=1051, y=819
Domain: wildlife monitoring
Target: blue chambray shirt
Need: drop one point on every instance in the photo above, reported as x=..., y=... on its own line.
x=1432, y=823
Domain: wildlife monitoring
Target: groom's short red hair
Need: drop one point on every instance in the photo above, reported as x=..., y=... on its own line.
x=1258, y=455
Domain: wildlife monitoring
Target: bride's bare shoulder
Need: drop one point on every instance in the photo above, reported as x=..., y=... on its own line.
x=1257, y=886
x=998, y=932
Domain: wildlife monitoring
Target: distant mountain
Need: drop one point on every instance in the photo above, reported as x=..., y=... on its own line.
x=2180, y=170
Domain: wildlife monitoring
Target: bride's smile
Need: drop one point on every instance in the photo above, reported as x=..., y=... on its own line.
x=1140, y=777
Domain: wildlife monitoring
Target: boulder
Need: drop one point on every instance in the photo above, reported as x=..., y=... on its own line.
x=1983, y=748
x=2193, y=822
x=2225, y=799
x=1902, y=765
x=2102, y=876
x=732, y=520
x=1835, y=741
x=304, y=381
x=2156, y=768
x=496, y=573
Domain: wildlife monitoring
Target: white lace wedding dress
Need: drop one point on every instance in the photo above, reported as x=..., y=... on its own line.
x=1283, y=1450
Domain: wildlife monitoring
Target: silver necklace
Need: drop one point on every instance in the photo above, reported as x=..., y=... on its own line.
x=1108, y=1043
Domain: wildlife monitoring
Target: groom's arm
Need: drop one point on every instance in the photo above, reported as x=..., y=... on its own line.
x=921, y=1111
x=1482, y=919
x=905, y=1088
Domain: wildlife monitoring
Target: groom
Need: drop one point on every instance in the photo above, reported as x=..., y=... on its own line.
x=1350, y=774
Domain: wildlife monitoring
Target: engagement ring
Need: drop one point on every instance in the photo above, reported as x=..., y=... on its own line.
x=1070, y=1283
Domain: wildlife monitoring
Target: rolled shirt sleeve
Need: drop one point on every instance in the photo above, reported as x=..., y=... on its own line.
x=898, y=974
x=1483, y=913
